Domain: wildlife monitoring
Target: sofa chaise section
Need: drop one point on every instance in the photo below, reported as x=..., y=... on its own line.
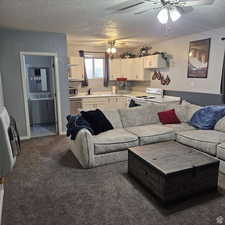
x=203, y=140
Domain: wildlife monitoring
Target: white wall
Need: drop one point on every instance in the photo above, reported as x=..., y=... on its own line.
x=179, y=48
x=1, y=92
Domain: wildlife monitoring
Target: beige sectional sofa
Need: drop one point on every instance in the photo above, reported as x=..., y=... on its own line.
x=141, y=126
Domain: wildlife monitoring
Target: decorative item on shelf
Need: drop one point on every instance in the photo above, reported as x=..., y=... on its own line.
x=144, y=51
x=127, y=55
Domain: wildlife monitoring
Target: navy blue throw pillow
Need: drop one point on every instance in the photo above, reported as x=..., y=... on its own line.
x=207, y=117
x=97, y=120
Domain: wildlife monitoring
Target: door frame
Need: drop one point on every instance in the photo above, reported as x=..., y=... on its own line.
x=57, y=103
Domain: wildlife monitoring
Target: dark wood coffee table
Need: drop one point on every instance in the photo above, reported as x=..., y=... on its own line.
x=172, y=171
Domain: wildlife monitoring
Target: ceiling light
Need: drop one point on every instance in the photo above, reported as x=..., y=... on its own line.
x=174, y=14
x=113, y=50
x=108, y=50
x=163, y=16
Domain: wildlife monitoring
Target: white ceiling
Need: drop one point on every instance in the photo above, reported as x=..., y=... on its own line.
x=88, y=21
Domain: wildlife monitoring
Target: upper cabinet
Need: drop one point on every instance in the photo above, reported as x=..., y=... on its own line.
x=76, y=68
x=154, y=62
x=114, y=68
x=132, y=69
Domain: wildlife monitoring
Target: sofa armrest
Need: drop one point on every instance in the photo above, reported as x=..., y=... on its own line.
x=83, y=148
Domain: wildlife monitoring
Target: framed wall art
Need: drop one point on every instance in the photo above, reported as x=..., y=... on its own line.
x=198, y=58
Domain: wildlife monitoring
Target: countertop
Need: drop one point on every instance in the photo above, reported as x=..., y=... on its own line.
x=107, y=94
x=134, y=95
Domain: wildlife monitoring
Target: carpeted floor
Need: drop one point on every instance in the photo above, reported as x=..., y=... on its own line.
x=48, y=187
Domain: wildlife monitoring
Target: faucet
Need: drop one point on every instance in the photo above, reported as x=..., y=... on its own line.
x=89, y=91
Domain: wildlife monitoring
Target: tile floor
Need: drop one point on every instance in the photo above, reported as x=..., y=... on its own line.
x=43, y=130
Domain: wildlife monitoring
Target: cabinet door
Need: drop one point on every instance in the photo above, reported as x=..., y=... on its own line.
x=114, y=69
x=154, y=62
x=126, y=68
x=76, y=68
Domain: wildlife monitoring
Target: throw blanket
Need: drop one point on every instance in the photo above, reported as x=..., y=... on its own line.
x=207, y=117
x=75, y=124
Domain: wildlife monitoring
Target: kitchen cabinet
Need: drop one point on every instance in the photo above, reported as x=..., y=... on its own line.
x=154, y=62
x=76, y=68
x=132, y=69
x=126, y=68
x=91, y=103
x=114, y=69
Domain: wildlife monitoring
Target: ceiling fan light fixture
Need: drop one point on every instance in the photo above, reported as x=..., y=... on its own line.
x=113, y=50
x=163, y=16
x=108, y=50
x=174, y=14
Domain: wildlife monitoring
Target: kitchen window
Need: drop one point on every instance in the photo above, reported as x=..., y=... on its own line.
x=94, y=67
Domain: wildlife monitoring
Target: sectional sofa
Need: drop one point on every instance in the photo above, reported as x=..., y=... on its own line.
x=141, y=126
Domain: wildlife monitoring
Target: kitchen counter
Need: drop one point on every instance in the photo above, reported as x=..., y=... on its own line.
x=106, y=94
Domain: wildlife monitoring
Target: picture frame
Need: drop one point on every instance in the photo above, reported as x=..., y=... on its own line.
x=198, y=58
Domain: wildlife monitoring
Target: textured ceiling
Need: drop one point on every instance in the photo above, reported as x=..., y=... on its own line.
x=88, y=21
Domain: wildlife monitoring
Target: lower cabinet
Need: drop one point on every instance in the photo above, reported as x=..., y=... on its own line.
x=105, y=103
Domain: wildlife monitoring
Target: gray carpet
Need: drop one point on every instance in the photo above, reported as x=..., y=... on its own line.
x=48, y=187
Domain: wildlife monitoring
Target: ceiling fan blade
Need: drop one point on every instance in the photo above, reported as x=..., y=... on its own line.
x=145, y=11
x=185, y=10
x=125, y=6
x=197, y=2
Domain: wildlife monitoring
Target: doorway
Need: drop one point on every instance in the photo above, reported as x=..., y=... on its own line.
x=40, y=85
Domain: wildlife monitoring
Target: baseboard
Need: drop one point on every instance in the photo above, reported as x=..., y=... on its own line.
x=63, y=133
x=1, y=201
x=24, y=138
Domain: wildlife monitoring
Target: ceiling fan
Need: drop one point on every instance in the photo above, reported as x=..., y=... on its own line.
x=172, y=9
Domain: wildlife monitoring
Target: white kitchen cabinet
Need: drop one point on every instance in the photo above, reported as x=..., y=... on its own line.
x=76, y=68
x=114, y=69
x=132, y=69
x=126, y=68
x=154, y=62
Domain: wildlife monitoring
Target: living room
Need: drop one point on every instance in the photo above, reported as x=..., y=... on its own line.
x=136, y=90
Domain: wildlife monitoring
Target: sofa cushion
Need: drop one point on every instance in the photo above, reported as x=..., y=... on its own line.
x=141, y=115
x=114, y=140
x=220, y=125
x=152, y=133
x=181, y=110
x=114, y=117
x=191, y=109
x=180, y=127
x=221, y=151
x=203, y=140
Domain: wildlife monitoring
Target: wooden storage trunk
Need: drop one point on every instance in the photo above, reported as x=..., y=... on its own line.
x=172, y=171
